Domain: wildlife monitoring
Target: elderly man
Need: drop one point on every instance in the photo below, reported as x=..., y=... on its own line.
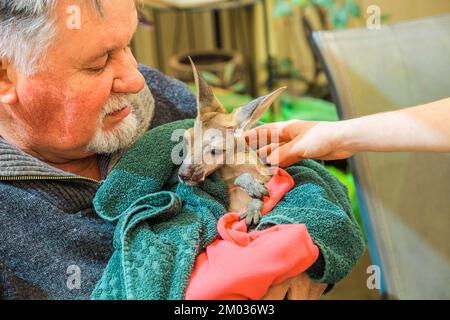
x=71, y=98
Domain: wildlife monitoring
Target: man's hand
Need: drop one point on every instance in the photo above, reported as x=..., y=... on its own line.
x=285, y=143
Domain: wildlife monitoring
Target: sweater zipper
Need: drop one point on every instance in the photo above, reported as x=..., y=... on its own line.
x=28, y=178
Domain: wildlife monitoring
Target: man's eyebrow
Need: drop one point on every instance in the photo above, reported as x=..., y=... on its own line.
x=101, y=55
x=109, y=50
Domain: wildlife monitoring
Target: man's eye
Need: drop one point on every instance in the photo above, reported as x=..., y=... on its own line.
x=97, y=69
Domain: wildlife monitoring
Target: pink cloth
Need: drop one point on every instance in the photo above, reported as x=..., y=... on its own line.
x=244, y=265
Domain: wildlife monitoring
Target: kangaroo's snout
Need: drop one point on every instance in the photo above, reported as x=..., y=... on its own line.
x=190, y=174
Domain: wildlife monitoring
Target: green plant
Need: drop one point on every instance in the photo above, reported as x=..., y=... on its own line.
x=284, y=69
x=339, y=11
x=302, y=109
x=228, y=98
x=226, y=81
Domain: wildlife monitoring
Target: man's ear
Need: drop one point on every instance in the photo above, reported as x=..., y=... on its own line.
x=206, y=100
x=244, y=117
x=8, y=93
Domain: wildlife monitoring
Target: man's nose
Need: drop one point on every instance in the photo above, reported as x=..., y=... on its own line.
x=128, y=79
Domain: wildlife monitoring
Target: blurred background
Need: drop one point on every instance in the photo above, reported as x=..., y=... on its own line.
x=245, y=48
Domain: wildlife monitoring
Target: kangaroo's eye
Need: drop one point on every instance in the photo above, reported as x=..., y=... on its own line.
x=216, y=152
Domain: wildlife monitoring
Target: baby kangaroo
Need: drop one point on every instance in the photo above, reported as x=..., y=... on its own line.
x=216, y=142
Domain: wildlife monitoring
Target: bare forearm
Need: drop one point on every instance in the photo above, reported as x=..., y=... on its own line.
x=422, y=128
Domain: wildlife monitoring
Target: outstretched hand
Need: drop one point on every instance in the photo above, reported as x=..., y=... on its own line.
x=285, y=143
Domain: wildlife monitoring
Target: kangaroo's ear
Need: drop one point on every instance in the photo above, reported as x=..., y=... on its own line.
x=244, y=117
x=206, y=100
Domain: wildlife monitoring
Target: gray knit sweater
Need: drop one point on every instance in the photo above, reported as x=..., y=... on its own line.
x=52, y=244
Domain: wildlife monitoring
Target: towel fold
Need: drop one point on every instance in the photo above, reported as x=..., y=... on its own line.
x=246, y=267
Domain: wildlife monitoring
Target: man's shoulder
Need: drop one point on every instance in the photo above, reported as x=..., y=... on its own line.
x=21, y=198
x=7, y=190
x=36, y=222
x=45, y=195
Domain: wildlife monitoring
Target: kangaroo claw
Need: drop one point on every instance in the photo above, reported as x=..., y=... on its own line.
x=252, y=213
x=251, y=186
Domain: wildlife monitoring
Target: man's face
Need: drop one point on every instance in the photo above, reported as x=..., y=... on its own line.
x=62, y=110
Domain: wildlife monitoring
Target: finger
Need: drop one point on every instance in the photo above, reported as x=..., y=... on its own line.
x=296, y=154
x=289, y=162
x=267, y=126
x=285, y=130
x=264, y=191
x=262, y=137
x=263, y=152
x=248, y=219
x=256, y=219
x=253, y=133
x=286, y=155
x=335, y=156
x=268, y=133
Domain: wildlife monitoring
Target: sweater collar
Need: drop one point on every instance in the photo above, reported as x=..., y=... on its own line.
x=16, y=163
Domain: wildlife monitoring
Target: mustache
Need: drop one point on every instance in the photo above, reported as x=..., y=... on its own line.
x=117, y=102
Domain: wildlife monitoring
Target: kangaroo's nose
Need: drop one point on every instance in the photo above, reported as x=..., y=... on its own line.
x=184, y=176
x=189, y=175
x=185, y=173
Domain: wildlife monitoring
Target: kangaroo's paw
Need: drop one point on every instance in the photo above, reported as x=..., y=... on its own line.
x=252, y=212
x=254, y=188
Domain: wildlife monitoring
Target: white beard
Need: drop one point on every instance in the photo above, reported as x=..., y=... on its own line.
x=117, y=140
x=109, y=141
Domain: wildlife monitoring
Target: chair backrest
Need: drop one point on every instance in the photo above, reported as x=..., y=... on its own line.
x=405, y=197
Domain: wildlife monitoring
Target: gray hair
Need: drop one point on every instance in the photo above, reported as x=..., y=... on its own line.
x=27, y=29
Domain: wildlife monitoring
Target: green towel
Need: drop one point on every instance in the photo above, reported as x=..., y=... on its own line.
x=162, y=225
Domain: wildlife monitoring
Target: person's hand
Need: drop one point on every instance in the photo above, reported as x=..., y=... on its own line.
x=285, y=143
